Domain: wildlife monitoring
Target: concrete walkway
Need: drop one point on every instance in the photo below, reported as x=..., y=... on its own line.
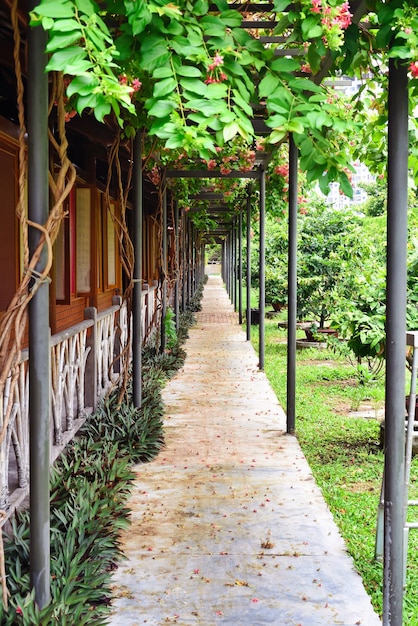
x=228, y=526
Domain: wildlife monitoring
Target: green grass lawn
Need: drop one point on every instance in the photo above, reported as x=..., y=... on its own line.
x=343, y=451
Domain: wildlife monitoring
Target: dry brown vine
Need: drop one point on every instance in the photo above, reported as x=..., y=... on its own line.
x=13, y=323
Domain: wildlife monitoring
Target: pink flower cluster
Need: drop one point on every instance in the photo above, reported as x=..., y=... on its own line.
x=243, y=161
x=413, y=68
x=215, y=74
x=338, y=16
x=282, y=170
x=135, y=85
x=342, y=19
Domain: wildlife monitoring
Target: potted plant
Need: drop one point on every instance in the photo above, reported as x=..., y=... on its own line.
x=275, y=288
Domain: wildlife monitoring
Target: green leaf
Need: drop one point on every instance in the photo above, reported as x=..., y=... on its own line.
x=62, y=58
x=384, y=36
x=62, y=26
x=214, y=123
x=164, y=87
x=138, y=16
x=175, y=141
x=154, y=53
x=241, y=36
x=86, y=6
x=98, y=40
x=55, y=8
x=314, y=58
x=246, y=129
x=284, y=64
x=276, y=121
x=205, y=106
x=82, y=85
x=230, y=130
x=296, y=127
x=314, y=173
x=162, y=108
x=245, y=93
x=57, y=42
x=162, y=72
x=278, y=106
x=318, y=119
x=162, y=127
x=189, y=71
x=101, y=109
x=77, y=68
x=232, y=67
x=242, y=103
x=195, y=86
x=311, y=28
x=324, y=184
x=268, y=85
x=276, y=136
x=216, y=91
x=345, y=184
x=201, y=7
x=213, y=26
x=281, y=5
x=84, y=102
x=231, y=18
x=227, y=117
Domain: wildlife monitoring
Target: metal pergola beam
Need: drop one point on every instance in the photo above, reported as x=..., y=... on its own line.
x=207, y=195
x=255, y=174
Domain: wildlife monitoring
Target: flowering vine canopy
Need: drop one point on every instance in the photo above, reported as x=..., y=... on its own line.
x=197, y=75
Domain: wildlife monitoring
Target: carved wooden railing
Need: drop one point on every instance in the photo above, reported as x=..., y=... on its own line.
x=85, y=361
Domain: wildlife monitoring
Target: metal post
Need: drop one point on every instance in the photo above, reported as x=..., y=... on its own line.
x=231, y=265
x=229, y=244
x=137, y=288
x=262, y=261
x=39, y=334
x=240, y=267
x=223, y=265
x=248, y=278
x=292, y=287
x=227, y=264
x=164, y=271
x=177, y=257
x=234, y=264
x=397, y=221
x=184, y=262
x=190, y=260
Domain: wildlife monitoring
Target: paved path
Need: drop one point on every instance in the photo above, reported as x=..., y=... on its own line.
x=228, y=526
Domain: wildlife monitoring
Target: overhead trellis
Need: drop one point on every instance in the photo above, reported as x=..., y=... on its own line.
x=198, y=75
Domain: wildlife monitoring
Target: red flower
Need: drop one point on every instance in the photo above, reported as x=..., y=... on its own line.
x=413, y=68
x=136, y=84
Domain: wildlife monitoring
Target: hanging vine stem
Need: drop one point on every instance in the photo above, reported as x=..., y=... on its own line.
x=126, y=248
x=13, y=323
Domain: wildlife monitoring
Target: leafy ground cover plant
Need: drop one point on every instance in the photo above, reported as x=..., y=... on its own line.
x=348, y=464
x=90, y=485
